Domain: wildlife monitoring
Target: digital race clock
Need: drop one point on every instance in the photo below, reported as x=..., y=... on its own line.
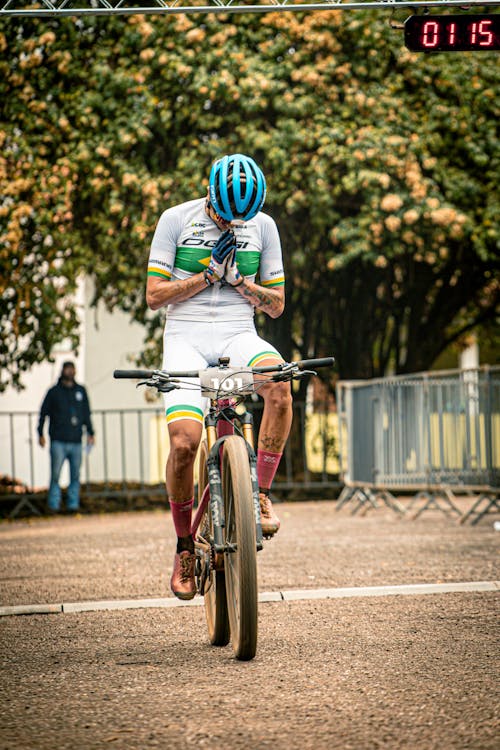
x=453, y=33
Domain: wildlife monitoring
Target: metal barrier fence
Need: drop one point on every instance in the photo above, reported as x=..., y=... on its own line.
x=132, y=446
x=423, y=431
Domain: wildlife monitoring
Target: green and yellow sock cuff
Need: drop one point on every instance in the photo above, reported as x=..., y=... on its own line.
x=183, y=411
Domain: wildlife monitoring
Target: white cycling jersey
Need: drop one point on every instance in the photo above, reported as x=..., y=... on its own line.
x=182, y=246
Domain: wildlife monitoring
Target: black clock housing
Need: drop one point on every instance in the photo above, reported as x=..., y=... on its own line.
x=453, y=33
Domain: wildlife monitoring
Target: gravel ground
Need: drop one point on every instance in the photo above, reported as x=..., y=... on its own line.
x=389, y=672
x=126, y=555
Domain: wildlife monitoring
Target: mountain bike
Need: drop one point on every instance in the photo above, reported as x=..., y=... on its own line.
x=227, y=527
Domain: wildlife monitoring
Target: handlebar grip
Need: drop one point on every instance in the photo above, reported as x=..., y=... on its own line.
x=305, y=364
x=133, y=374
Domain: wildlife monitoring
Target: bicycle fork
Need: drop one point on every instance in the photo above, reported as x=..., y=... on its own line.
x=214, y=466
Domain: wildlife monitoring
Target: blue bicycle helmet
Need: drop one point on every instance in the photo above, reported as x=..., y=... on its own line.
x=237, y=187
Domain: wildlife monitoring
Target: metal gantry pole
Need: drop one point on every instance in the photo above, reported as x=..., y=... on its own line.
x=55, y=8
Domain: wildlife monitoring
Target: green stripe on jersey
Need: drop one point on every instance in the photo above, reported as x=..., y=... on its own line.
x=196, y=259
x=192, y=259
x=161, y=274
x=248, y=262
x=274, y=282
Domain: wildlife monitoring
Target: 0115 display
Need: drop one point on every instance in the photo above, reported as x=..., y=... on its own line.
x=465, y=33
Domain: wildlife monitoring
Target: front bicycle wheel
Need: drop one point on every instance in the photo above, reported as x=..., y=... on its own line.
x=240, y=557
x=214, y=586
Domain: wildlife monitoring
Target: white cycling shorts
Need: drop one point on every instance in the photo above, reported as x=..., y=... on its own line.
x=194, y=346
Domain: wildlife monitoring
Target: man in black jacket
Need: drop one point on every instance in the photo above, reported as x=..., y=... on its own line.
x=67, y=406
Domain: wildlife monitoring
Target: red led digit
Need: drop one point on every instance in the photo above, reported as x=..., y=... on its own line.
x=430, y=34
x=452, y=33
x=484, y=32
x=473, y=35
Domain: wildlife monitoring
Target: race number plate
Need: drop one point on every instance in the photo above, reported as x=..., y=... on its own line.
x=219, y=382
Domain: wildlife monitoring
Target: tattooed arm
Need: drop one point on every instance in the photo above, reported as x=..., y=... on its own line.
x=161, y=292
x=270, y=301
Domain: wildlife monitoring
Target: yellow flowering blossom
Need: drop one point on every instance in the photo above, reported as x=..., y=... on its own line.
x=391, y=202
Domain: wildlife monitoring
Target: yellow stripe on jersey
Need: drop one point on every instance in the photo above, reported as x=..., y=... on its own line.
x=274, y=282
x=155, y=271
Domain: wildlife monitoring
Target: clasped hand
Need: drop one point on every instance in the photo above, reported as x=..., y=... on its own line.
x=223, y=260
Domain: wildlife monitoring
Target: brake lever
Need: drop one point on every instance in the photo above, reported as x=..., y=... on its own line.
x=150, y=383
x=281, y=377
x=166, y=387
x=298, y=374
x=291, y=374
x=162, y=387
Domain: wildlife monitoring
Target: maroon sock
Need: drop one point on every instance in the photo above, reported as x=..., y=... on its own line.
x=181, y=516
x=267, y=466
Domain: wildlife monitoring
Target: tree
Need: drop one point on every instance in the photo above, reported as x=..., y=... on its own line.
x=397, y=181
x=382, y=171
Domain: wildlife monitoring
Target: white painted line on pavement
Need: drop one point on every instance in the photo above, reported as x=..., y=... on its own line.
x=32, y=609
x=127, y=604
x=414, y=589
x=266, y=596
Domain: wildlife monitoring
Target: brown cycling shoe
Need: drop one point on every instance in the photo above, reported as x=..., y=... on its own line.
x=268, y=518
x=182, y=582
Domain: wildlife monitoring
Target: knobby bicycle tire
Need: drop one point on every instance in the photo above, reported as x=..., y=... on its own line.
x=240, y=564
x=215, y=597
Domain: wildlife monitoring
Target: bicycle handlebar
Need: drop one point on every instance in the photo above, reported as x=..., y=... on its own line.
x=139, y=374
x=146, y=374
x=302, y=364
x=305, y=364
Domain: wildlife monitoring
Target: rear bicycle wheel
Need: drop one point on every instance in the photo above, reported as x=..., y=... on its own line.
x=240, y=558
x=214, y=595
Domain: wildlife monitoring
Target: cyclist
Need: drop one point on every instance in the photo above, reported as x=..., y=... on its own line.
x=205, y=256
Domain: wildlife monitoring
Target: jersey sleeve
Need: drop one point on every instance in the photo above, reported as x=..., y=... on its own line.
x=271, y=271
x=164, y=245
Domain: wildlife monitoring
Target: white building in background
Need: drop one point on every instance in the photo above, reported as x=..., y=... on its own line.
x=108, y=341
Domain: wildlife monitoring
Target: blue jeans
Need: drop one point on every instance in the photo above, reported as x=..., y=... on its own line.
x=59, y=452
